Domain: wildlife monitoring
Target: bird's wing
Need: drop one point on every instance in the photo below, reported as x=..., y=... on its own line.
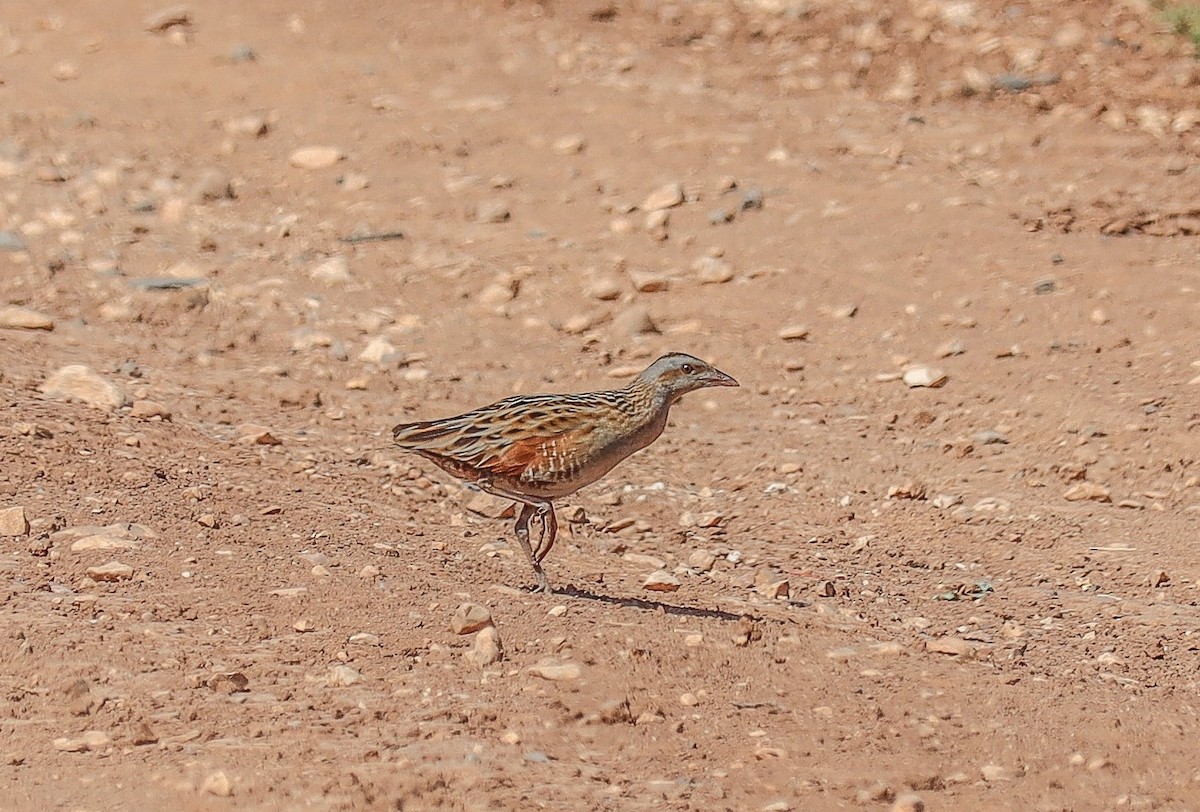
x=509, y=437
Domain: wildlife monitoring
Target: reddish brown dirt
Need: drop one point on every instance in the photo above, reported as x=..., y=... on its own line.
x=956, y=628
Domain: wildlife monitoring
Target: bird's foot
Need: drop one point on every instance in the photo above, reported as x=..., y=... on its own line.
x=543, y=585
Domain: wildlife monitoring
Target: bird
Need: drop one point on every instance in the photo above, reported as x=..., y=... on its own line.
x=534, y=449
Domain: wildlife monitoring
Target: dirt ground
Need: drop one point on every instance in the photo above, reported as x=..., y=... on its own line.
x=271, y=231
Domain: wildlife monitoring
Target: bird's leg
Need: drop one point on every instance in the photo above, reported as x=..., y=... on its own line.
x=545, y=512
x=522, y=530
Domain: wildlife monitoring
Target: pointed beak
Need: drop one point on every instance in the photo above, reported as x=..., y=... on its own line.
x=719, y=378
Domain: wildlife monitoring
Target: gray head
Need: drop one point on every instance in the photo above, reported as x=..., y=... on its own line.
x=676, y=374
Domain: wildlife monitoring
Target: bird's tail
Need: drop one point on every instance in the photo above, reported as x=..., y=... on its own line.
x=422, y=434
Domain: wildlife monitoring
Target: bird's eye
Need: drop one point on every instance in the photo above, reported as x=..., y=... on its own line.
x=688, y=369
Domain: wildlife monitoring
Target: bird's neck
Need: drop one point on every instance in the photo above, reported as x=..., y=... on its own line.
x=650, y=398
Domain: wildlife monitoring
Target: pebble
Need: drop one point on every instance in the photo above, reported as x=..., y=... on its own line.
x=165, y=18
x=606, y=288
x=66, y=71
x=78, y=382
x=656, y=224
x=486, y=648
x=13, y=521
x=794, y=332
x=569, y=144
x=954, y=346
x=1157, y=577
x=701, y=560
x=217, y=784
x=252, y=125
x=644, y=560
x=315, y=157
x=213, y=184
x=713, y=270
x=380, y=352
x=11, y=241
x=993, y=773
x=469, y=618
x=661, y=581
x=491, y=211
x=251, y=434
x=22, y=318
x=88, y=740
x=924, y=376
x=343, y=676
x=664, y=197
x=331, y=271
x=954, y=646
x=634, y=321
x=110, y=572
x=908, y=802
x=556, y=673
x=148, y=409
x=648, y=281
x=1089, y=492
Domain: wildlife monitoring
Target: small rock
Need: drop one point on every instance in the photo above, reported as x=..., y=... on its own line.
x=634, y=321
x=331, y=271
x=701, y=560
x=606, y=288
x=22, y=318
x=315, y=157
x=484, y=504
x=556, y=673
x=13, y=521
x=989, y=437
x=492, y=211
x=1157, y=578
x=954, y=646
x=993, y=773
x=846, y=311
x=908, y=802
x=712, y=270
x=253, y=125
x=569, y=144
x=486, y=648
x=661, y=581
x=648, y=281
x=213, y=184
x=343, y=676
x=954, y=346
x=251, y=434
x=908, y=490
x=1099, y=316
x=66, y=71
x=147, y=409
x=1088, y=491
x=923, y=376
x=469, y=618
x=110, y=572
x=380, y=352
x=774, y=588
x=657, y=222
x=78, y=382
x=217, y=784
x=644, y=560
x=664, y=197
x=166, y=18
x=88, y=740
x=794, y=332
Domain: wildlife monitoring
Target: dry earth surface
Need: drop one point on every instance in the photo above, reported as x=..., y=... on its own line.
x=270, y=231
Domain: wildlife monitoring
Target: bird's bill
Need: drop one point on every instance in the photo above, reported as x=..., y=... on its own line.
x=718, y=378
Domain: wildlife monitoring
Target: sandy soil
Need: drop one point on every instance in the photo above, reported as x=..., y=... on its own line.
x=223, y=588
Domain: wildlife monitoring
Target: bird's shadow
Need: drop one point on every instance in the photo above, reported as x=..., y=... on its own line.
x=653, y=606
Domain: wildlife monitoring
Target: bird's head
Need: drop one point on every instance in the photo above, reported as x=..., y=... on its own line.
x=676, y=374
